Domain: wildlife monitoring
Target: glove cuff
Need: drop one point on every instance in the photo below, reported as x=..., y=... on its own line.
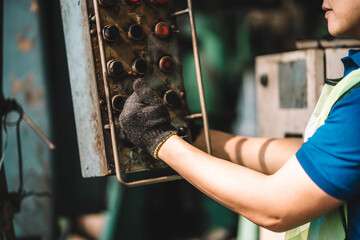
x=156, y=151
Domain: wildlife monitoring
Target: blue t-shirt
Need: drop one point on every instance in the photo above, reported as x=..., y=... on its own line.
x=331, y=157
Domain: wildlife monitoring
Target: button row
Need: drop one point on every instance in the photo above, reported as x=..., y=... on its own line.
x=115, y=69
x=136, y=32
x=170, y=98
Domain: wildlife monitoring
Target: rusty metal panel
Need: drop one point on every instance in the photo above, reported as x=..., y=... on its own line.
x=109, y=45
x=84, y=89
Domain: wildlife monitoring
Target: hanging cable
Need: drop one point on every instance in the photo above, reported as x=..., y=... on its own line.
x=6, y=107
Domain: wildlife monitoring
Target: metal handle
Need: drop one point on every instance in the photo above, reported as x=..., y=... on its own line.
x=190, y=11
x=148, y=181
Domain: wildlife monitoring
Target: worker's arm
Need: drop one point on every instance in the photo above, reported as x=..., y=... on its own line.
x=266, y=155
x=278, y=202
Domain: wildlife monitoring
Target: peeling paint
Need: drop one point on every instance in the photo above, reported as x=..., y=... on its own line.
x=34, y=7
x=33, y=97
x=24, y=44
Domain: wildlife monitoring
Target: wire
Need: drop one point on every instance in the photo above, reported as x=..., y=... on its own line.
x=3, y=153
x=21, y=177
x=12, y=105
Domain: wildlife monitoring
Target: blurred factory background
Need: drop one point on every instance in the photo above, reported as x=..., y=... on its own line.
x=35, y=73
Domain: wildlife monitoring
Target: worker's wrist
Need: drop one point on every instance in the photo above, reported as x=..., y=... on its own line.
x=166, y=136
x=166, y=145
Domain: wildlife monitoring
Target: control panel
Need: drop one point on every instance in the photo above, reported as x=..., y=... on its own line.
x=124, y=40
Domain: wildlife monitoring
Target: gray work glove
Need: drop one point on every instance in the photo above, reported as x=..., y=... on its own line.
x=145, y=120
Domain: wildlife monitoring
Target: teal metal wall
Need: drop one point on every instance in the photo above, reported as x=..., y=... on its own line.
x=25, y=80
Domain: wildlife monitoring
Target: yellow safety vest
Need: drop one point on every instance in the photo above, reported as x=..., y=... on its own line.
x=329, y=226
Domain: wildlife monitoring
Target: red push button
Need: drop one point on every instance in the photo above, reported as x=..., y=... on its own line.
x=162, y=30
x=166, y=64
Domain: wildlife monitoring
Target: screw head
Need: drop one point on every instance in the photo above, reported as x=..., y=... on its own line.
x=264, y=80
x=182, y=131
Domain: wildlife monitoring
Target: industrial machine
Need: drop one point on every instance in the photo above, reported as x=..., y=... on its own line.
x=110, y=43
x=288, y=86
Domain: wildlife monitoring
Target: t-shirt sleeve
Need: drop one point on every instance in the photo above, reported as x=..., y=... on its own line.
x=331, y=157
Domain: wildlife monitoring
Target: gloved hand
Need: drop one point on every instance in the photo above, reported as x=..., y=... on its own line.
x=145, y=120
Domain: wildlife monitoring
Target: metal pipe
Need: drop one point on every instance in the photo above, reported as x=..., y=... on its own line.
x=194, y=116
x=149, y=181
x=179, y=13
x=50, y=145
x=199, y=77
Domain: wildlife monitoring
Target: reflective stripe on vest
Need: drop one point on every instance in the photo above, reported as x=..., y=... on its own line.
x=330, y=225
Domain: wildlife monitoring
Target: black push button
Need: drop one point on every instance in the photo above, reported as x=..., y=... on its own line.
x=172, y=99
x=118, y=102
x=140, y=66
x=115, y=68
x=136, y=32
x=110, y=33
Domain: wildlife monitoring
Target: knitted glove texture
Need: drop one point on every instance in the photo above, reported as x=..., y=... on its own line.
x=145, y=120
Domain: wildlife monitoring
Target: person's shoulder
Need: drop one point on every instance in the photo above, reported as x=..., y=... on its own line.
x=347, y=110
x=351, y=98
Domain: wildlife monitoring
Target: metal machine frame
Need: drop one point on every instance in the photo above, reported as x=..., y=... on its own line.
x=73, y=31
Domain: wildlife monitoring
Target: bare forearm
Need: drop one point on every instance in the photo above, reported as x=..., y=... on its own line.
x=219, y=179
x=264, y=155
x=270, y=201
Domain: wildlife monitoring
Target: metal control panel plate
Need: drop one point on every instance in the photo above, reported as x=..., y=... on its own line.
x=124, y=40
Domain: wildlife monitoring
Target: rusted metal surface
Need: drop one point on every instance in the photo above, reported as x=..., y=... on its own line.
x=89, y=126
x=24, y=80
x=126, y=50
x=93, y=89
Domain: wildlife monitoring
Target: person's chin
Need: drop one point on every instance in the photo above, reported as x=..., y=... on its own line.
x=336, y=32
